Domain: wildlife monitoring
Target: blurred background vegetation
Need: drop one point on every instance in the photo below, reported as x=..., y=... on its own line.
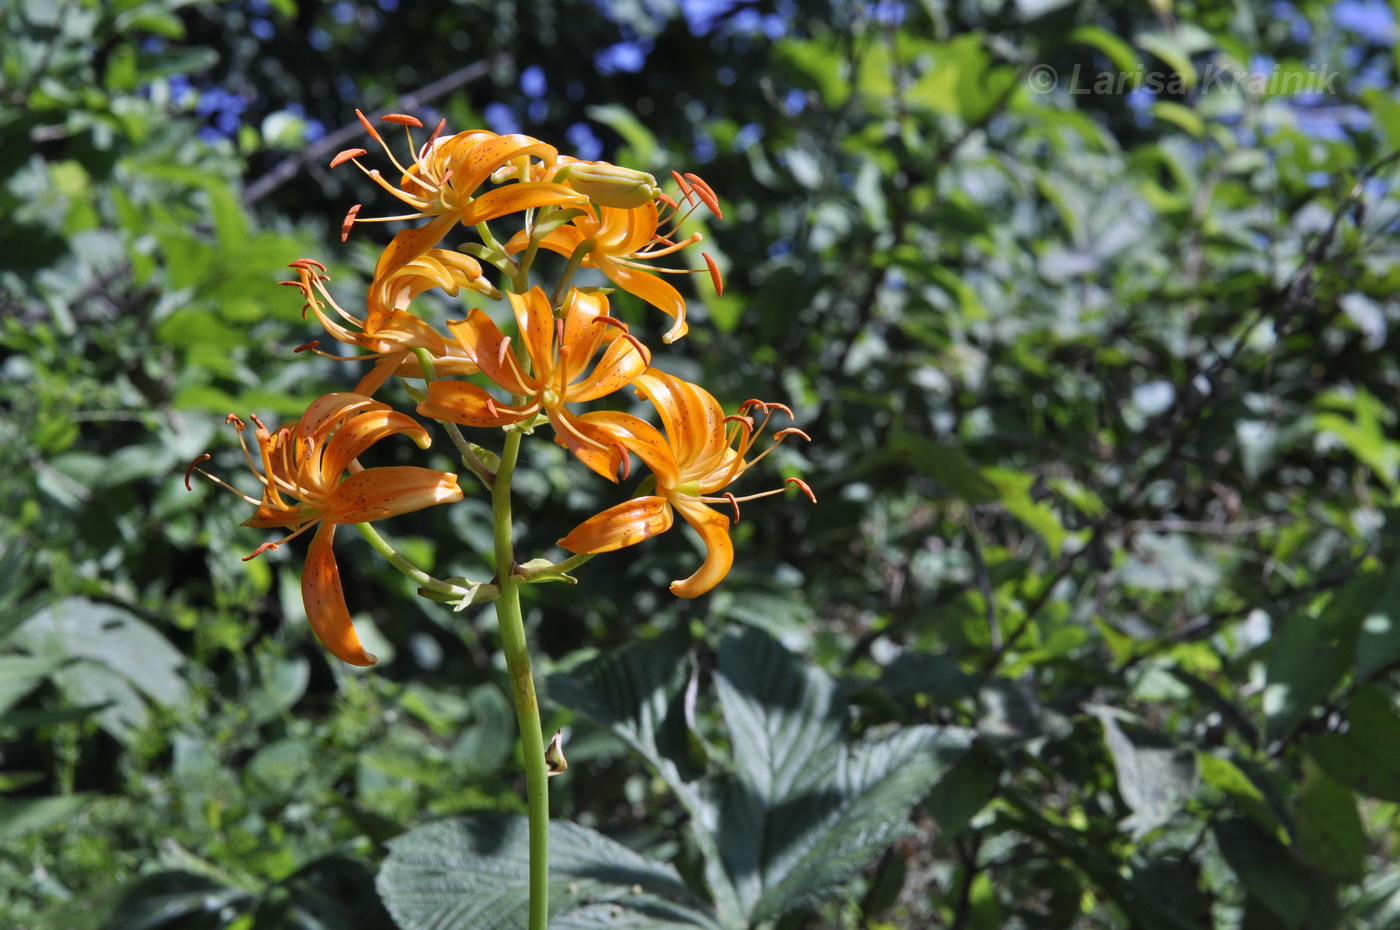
x=1101, y=386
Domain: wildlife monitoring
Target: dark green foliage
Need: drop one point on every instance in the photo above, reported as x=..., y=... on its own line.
x=1094, y=625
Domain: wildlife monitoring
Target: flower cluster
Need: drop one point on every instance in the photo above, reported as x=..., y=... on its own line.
x=562, y=350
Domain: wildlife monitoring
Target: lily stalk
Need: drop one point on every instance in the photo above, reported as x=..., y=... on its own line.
x=522, y=685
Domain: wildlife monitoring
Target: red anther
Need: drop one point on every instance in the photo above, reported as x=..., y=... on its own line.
x=625, y=458
x=706, y=194
x=667, y=201
x=747, y=422
x=784, y=408
x=257, y=422
x=733, y=502
x=801, y=485
x=446, y=176
x=313, y=344
x=685, y=187
x=559, y=332
x=373, y=133
x=402, y=119
x=347, y=155
x=299, y=284
x=233, y=418
x=260, y=550
x=307, y=263
x=611, y=321
x=437, y=131
x=714, y=274
x=491, y=407
x=642, y=350
x=349, y=221
x=189, y=472
x=782, y=434
x=501, y=355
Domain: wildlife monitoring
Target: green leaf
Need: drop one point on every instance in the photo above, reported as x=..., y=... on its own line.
x=331, y=893
x=1226, y=776
x=1311, y=650
x=1014, y=489
x=1155, y=778
x=1331, y=837
x=175, y=901
x=1171, y=50
x=1363, y=757
x=472, y=873
x=126, y=663
x=1267, y=870
x=634, y=132
x=24, y=815
x=802, y=810
x=21, y=674
x=948, y=465
x=635, y=692
x=1117, y=51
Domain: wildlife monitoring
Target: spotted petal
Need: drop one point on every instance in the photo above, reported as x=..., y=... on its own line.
x=624, y=524
x=324, y=600
x=376, y=493
x=470, y=405
x=713, y=528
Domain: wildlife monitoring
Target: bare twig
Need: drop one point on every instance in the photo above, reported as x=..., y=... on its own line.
x=335, y=141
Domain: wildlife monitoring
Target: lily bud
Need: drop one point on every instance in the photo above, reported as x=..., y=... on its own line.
x=610, y=185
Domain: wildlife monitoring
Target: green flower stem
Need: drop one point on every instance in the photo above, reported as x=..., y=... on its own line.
x=567, y=278
x=527, y=709
x=381, y=545
x=464, y=448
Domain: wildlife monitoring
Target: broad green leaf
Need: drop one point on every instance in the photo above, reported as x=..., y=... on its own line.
x=126, y=662
x=472, y=873
x=948, y=465
x=634, y=132
x=635, y=692
x=1229, y=778
x=1331, y=837
x=1311, y=650
x=21, y=674
x=331, y=893
x=23, y=815
x=1364, y=756
x=875, y=786
x=1155, y=778
x=176, y=901
x=1267, y=870
x=803, y=809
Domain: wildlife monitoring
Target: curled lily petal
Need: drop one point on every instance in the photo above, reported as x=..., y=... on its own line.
x=513, y=198
x=363, y=431
x=713, y=528
x=637, y=435
x=376, y=493
x=470, y=405
x=621, y=525
x=324, y=600
x=485, y=344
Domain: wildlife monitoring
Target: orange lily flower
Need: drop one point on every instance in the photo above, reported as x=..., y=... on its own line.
x=702, y=453
x=303, y=465
x=391, y=335
x=619, y=241
x=442, y=179
x=559, y=352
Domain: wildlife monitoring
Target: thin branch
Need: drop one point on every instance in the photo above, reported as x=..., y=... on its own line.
x=335, y=141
